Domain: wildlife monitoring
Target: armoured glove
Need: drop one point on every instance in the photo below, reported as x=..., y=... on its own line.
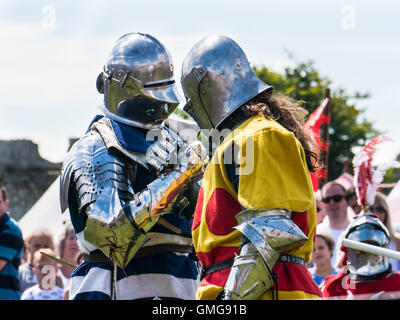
x=161, y=194
x=164, y=152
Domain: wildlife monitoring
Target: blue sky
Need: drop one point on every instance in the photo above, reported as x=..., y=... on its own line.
x=52, y=51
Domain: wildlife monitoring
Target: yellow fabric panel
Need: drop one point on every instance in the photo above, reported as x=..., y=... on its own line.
x=280, y=177
x=203, y=239
x=206, y=241
x=209, y=292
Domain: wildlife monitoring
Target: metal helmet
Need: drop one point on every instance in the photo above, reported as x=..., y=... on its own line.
x=217, y=79
x=367, y=228
x=138, y=82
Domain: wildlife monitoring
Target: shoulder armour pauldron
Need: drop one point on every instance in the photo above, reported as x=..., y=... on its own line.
x=91, y=170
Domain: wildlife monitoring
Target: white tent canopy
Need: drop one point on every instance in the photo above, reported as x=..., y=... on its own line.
x=45, y=214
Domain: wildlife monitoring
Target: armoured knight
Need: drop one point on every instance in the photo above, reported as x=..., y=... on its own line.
x=366, y=274
x=371, y=230
x=130, y=199
x=252, y=229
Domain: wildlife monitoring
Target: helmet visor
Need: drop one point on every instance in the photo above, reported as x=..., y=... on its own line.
x=369, y=232
x=366, y=264
x=144, y=110
x=165, y=92
x=194, y=106
x=146, y=107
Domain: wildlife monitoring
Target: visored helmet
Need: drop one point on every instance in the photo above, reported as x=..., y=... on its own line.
x=138, y=82
x=369, y=229
x=217, y=79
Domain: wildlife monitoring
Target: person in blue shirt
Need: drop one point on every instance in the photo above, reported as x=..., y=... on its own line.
x=321, y=257
x=11, y=249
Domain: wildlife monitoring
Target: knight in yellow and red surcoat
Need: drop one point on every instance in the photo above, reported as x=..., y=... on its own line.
x=255, y=220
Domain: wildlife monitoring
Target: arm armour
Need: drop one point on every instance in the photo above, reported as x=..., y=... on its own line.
x=117, y=217
x=266, y=234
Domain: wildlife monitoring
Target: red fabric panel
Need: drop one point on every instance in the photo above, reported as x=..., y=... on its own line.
x=217, y=278
x=294, y=277
x=301, y=220
x=390, y=283
x=217, y=255
x=337, y=285
x=220, y=212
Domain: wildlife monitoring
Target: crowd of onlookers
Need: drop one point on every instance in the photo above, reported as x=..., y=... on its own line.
x=35, y=267
x=41, y=276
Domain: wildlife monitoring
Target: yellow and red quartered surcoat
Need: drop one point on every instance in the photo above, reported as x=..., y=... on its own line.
x=273, y=174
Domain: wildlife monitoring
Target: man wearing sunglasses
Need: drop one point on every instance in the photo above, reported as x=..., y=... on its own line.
x=335, y=204
x=129, y=203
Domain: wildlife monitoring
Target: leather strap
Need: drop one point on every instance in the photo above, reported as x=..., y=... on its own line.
x=292, y=259
x=97, y=257
x=148, y=251
x=205, y=270
x=229, y=262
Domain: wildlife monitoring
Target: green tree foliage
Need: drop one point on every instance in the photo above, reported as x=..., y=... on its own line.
x=348, y=128
x=393, y=174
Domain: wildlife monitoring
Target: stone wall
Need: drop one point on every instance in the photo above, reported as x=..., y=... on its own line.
x=25, y=174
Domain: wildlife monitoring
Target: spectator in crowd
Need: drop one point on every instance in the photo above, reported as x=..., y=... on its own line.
x=37, y=240
x=336, y=221
x=321, y=213
x=45, y=270
x=352, y=203
x=11, y=249
x=380, y=209
x=321, y=258
x=67, y=251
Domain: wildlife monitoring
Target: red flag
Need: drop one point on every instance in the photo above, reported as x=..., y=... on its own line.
x=317, y=120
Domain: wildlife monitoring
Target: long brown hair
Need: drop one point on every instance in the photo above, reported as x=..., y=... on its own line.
x=287, y=112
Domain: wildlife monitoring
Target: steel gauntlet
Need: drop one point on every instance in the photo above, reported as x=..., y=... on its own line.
x=160, y=196
x=267, y=234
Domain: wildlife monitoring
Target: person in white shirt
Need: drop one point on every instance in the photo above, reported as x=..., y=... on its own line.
x=336, y=220
x=39, y=239
x=45, y=270
x=68, y=249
